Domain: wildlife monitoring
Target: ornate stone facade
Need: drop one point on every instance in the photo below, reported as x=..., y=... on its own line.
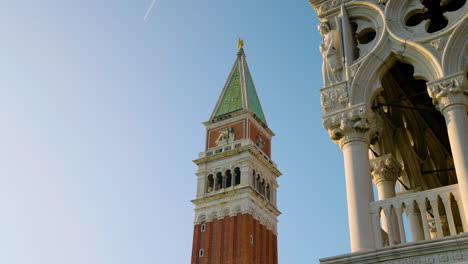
x=353, y=124
x=385, y=168
x=449, y=90
x=442, y=252
x=397, y=107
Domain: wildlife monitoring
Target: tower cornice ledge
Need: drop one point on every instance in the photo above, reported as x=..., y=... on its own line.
x=357, y=123
x=240, y=113
x=250, y=148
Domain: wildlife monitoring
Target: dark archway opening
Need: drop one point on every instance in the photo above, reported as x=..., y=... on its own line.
x=414, y=131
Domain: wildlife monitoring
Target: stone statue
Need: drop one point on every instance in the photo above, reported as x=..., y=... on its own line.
x=331, y=68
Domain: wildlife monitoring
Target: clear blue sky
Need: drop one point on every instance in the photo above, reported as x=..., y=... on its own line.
x=101, y=117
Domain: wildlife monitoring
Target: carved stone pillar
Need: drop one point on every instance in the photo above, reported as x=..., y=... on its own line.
x=385, y=171
x=415, y=224
x=354, y=129
x=450, y=95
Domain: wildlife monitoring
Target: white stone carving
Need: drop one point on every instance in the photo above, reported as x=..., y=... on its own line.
x=332, y=65
x=438, y=58
x=438, y=44
x=449, y=90
x=385, y=168
x=446, y=251
x=242, y=203
x=356, y=123
x=334, y=98
x=226, y=136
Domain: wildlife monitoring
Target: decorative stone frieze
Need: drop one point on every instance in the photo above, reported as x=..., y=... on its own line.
x=442, y=251
x=448, y=91
x=322, y=7
x=231, y=206
x=385, y=168
x=438, y=44
x=358, y=123
x=334, y=98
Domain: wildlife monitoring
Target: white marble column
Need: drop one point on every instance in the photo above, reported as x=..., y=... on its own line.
x=354, y=130
x=450, y=95
x=385, y=171
x=415, y=225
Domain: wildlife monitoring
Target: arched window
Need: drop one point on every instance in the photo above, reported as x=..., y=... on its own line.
x=228, y=178
x=253, y=178
x=201, y=253
x=257, y=184
x=219, y=181
x=268, y=192
x=262, y=188
x=209, y=183
x=203, y=227
x=237, y=175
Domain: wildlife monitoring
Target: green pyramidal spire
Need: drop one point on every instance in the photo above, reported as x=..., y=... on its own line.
x=239, y=91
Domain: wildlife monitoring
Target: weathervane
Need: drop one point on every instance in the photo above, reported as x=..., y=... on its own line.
x=240, y=44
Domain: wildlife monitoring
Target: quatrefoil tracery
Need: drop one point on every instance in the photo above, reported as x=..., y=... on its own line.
x=434, y=13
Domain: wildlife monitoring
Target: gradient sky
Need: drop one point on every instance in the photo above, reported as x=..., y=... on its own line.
x=101, y=117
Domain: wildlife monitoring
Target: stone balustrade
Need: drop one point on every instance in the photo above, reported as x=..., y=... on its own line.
x=424, y=215
x=234, y=145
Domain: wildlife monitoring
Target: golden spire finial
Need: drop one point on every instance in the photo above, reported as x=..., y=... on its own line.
x=240, y=44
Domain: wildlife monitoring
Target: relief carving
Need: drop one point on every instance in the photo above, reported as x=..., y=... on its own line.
x=448, y=91
x=438, y=44
x=334, y=98
x=332, y=65
x=385, y=168
x=451, y=257
x=226, y=136
x=356, y=124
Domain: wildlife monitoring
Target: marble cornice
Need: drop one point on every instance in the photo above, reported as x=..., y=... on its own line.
x=250, y=148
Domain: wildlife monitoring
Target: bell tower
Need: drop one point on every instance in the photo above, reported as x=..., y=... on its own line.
x=235, y=205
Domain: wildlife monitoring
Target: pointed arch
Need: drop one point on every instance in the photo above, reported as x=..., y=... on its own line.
x=455, y=56
x=366, y=82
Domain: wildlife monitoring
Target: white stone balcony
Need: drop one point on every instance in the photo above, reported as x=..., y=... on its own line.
x=418, y=216
x=415, y=228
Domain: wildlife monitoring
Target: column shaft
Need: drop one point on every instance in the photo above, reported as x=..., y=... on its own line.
x=457, y=125
x=358, y=184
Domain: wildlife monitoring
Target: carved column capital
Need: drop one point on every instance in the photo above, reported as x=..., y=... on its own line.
x=358, y=123
x=449, y=91
x=385, y=168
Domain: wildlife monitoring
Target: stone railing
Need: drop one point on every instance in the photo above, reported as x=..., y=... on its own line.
x=428, y=215
x=234, y=145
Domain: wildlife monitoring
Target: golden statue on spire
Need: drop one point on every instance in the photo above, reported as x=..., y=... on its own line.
x=240, y=44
